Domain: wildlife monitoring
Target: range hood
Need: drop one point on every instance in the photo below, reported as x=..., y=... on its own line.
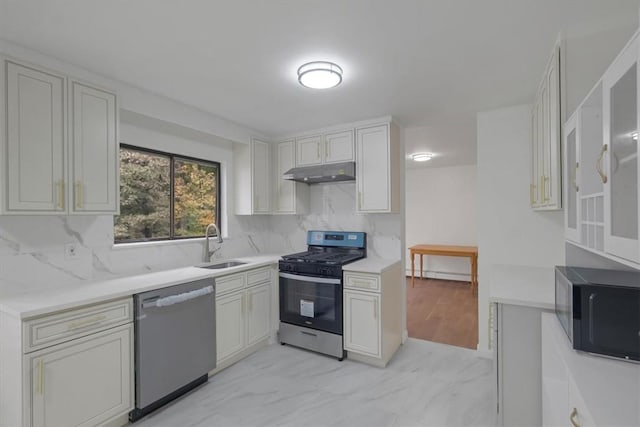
x=334, y=172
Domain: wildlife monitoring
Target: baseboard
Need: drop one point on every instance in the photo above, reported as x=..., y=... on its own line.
x=485, y=354
x=443, y=275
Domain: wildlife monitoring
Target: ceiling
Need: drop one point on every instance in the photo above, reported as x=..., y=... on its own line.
x=426, y=62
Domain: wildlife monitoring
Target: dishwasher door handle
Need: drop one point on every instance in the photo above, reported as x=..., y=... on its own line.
x=177, y=299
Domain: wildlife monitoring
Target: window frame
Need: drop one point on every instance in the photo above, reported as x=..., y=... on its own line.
x=172, y=157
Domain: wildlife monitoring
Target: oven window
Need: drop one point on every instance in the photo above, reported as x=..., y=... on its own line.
x=311, y=304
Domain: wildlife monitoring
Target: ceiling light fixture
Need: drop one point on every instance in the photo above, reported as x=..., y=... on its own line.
x=421, y=157
x=320, y=75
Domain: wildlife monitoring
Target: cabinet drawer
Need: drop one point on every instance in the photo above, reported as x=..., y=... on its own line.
x=49, y=330
x=230, y=283
x=258, y=276
x=362, y=281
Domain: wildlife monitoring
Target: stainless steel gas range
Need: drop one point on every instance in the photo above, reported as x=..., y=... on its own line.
x=311, y=290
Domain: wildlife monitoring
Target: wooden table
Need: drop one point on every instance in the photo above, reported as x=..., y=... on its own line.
x=470, y=252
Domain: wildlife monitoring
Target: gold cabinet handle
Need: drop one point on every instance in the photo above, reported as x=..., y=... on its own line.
x=603, y=176
x=318, y=148
x=572, y=418
x=575, y=177
x=40, y=379
x=327, y=149
x=86, y=322
x=359, y=200
x=532, y=189
x=79, y=195
x=60, y=190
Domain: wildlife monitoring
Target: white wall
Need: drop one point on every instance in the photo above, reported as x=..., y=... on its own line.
x=441, y=209
x=509, y=232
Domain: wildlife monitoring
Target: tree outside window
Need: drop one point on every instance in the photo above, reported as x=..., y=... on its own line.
x=164, y=196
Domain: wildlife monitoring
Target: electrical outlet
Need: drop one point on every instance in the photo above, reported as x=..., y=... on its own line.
x=70, y=251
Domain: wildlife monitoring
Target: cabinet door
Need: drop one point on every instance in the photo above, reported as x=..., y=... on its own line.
x=338, y=147
x=535, y=172
x=35, y=140
x=229, y=325
x=373, y=171
x=285, y=190
x=578, y=413
x=258, y=313
x=94, y=150
x=362, y=331
x=572, y=212
x=553, y=179
x=620, y=151
x=84, y=382
x=261, y=180
x=309, y=150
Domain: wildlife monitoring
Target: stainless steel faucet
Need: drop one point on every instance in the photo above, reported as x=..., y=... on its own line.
x=209, y=253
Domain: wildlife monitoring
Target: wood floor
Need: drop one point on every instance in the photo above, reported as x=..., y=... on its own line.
x=442, y=311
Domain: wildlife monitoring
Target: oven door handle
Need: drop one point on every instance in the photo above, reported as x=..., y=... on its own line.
x=310, y=278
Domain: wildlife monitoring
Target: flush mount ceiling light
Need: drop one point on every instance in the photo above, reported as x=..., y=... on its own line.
x=320, y=75
x=421, y=157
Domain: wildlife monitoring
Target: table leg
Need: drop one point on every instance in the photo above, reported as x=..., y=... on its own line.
x=421, y=269
x=413, y=267
x=472, y=270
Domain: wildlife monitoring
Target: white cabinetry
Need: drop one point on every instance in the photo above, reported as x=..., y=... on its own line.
x=546, y=180
x=252, y=178
x=68, y=368
x=61, y=148
x=378, y=168
x=601, y=178
x=243, y=313
x=309, y=150
x=582, y=389
x=517, y=352
x=94, y=150
x=290, y=197
x=83, y=382
x=332, y=147
x=620, y=149
x=372, y=315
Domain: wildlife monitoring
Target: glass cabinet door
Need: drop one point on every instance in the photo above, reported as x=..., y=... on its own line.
x=620, y=152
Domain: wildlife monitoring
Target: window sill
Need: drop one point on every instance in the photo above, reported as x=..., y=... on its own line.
x=138, y=245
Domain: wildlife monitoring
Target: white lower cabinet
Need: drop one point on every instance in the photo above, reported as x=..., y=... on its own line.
x=243, y=313
x=229, y=325
x=84, y=382
x=362, y=324
x=372, y=324
x=71, y=368
x=580, y=389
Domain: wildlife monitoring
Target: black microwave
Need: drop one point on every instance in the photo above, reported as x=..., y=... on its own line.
x=600, y=310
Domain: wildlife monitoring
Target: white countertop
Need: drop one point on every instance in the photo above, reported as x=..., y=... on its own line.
x=370, y=265
x=523, y=285
x=36, y=303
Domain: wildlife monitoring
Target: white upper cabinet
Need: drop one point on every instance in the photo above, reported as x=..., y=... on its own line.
x=309, y=150
x=94, y=150
x=377, y=169
x=252, y=180
x=289, y=197
x=618, y=160
x=338, y=147
x=546, y=180
x=57, y=162
x=35, y=145
x=572, y=208
x=334, y=147
x=261, y=180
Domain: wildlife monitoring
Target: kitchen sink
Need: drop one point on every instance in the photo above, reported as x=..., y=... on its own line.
x=221, y=265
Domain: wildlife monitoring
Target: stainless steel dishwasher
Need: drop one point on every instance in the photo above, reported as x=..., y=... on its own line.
x=175, y=342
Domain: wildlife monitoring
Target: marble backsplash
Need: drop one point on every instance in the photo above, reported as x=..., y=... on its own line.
x=32, y=251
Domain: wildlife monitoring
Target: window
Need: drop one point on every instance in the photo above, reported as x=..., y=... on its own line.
x=165, y=196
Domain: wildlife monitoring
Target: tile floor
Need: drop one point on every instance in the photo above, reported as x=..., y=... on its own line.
x=425, y=384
